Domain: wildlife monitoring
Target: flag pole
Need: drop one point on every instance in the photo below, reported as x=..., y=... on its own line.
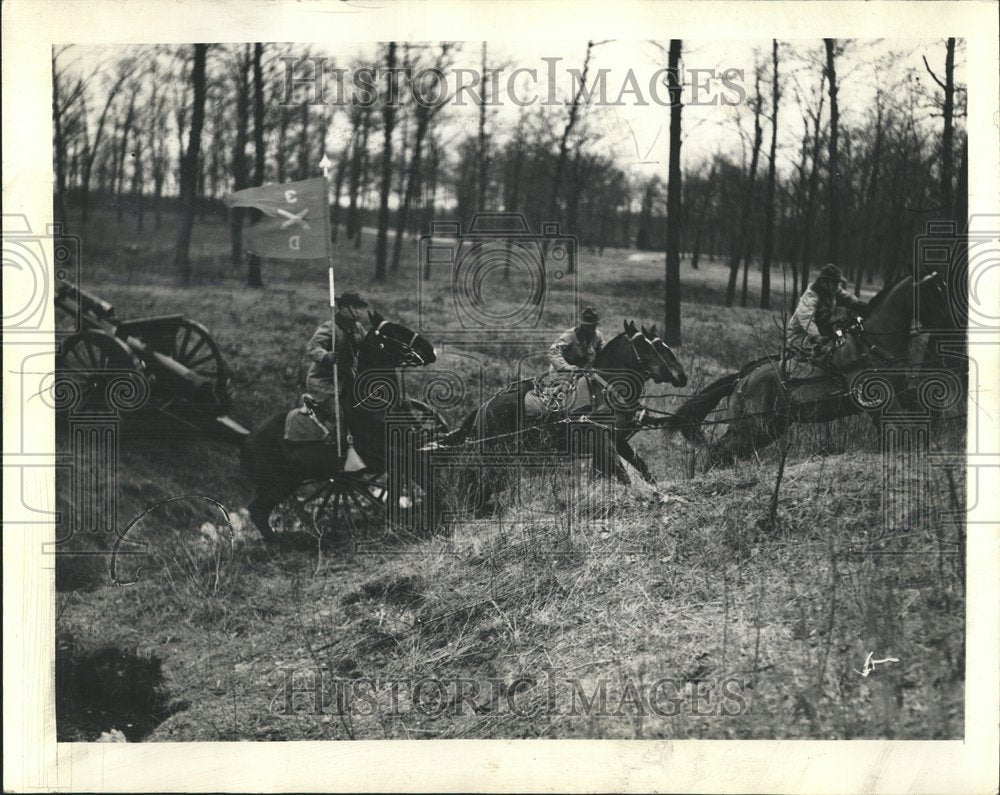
x=325, y=164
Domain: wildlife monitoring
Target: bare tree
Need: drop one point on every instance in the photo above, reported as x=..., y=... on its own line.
x=809, y=211
x=93, y=146
x=765, y=275
x=871, y=193
x=63, y=100
x=948, y=115
x=560, y=166
x=126, y=130
x=361, y=126
x=672, y=276
x=241, y=167
x=741, y=248
x=426, y=108
x=482, y=151
x=833, y=175
x=388, y=124
x=254, y=266
x=338, y=188
x=189, y=167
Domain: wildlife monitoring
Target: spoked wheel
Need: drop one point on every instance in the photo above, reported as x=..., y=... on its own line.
x=91, y=360
x=194, y=347
x=351, y=509
x=351, y=504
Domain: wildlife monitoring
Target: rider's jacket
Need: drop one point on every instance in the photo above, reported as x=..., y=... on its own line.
x=319, y=381
x=568, y=352
x=814, y=315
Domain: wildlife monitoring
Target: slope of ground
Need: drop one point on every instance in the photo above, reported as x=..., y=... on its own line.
x=683, y=611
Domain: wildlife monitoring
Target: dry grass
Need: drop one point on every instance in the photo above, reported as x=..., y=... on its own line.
x=629, y=586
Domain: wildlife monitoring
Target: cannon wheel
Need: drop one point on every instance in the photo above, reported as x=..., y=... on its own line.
x=195, y=349
x=90, y=357
x=356, y=502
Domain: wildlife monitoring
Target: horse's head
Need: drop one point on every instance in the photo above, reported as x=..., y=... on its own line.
x=934, y=311
x=650, y=357
x=395, y=345
x=673, y=370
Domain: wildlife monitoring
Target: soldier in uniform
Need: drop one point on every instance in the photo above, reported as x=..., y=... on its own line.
x=570, y=356
x=810, y=329
x=319, y=381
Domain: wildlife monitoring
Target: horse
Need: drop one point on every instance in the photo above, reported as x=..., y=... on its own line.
x=272, y=466
x=870, y=362
x=620, y=370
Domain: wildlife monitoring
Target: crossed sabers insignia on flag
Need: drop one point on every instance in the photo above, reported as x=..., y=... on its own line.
x=294, y=218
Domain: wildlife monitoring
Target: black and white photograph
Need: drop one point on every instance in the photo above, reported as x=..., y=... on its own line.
x=578, y=386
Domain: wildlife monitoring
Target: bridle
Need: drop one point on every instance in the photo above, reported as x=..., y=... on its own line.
x=407, y=352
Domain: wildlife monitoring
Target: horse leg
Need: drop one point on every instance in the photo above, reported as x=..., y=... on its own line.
x=605, y=461
x=626, y=451
x=741, y=441
x=260, y=509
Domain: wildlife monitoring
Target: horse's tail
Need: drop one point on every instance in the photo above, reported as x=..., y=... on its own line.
x=260, y=453
x=692, y=413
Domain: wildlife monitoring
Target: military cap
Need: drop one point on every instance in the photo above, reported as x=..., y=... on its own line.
x=831, y=272
x=351, y=300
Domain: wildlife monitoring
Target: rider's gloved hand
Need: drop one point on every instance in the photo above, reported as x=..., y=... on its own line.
x=330, y=358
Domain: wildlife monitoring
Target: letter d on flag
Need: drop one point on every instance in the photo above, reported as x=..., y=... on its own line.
x=296, y=222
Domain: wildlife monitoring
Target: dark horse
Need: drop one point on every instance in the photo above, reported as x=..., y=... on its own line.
x=368, y=400
x=870, y=366
x=620, y=372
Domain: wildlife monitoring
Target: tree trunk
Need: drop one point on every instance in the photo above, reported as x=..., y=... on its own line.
x=338, y=187
x=122, y=151
x=60, y=147
x=434, y=164
x=833, y=173
x=810, y=210
x=303, y=170
x=189, y=168
x=870, y=196
x=742, y=245
x=255, y=276
x=241, y=170
x=947, y=139
x=388, y=124
x=672, y=280
x=574, y=110
x=482, y=152
x=402, y=213
x=137, y=205
x=765, y=265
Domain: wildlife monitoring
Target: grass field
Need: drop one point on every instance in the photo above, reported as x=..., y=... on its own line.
x=693, y=614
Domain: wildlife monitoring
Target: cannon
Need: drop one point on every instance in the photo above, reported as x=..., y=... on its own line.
x=187, y=378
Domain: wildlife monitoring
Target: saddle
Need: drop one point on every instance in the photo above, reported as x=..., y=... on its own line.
x=303, y=424
x=559, y=397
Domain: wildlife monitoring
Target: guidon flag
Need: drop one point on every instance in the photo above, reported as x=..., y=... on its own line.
x=296, y=222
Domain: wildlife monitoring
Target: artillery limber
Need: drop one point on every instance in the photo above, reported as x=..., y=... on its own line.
x=183, y=369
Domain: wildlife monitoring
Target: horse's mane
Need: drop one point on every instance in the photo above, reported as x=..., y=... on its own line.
x=880, y=296
x=607, y=345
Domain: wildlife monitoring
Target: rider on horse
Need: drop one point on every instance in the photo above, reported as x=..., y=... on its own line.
x=577, y=347
x=572, y=355
x=319, y=381
x=810, y=330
